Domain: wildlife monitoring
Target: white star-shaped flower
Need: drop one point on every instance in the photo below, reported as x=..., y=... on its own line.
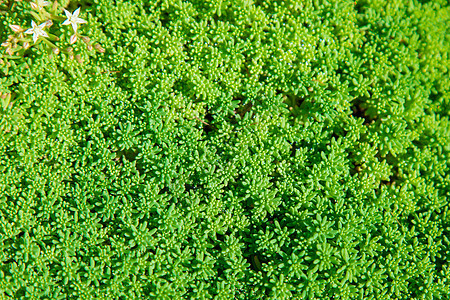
x=36, y=31
x=39, y=4
x=72, y=19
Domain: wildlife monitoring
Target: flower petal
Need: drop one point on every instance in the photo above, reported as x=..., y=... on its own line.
x=81, y=21
x=68, y=14
x=66, y=22
x=76, y=12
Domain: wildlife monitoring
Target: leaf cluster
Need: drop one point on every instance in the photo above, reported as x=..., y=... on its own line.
x=232, y=150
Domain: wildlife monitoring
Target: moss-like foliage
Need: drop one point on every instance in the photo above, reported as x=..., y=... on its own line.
x=232, y=149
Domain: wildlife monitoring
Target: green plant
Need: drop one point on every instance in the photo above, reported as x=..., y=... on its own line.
x=228, y=150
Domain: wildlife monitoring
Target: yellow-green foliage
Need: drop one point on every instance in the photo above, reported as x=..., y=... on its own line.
x=232, y=149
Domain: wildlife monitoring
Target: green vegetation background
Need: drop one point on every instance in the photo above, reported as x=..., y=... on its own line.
x=231, y=150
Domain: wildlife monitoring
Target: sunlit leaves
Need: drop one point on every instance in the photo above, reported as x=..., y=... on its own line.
x=232, y=150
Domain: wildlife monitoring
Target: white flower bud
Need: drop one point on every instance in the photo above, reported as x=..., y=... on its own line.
x=79, y=59
x=16, y=28
x=73, y=39
x=99, y=48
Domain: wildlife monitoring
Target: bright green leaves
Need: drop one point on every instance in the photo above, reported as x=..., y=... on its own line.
x=232, y=149
x=350, y=268
x=127, y=137
x=268, y=203
x=321, y=229
x=326, y=257
x=281, y=289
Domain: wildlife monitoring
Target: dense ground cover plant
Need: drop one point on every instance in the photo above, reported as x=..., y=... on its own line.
x=227, y=150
